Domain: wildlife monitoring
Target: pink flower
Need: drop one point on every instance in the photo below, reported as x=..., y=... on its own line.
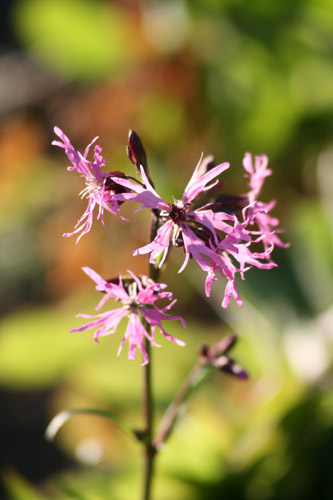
x=138, y=296
x=177, y=218
x=256, y=173
x=100, y=189
x=216, y=235
x=257, y=211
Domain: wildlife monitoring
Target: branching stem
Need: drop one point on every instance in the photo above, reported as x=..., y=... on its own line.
x=199, y=373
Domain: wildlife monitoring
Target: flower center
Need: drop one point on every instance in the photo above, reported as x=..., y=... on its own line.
x=177, y=213
x=133, y=307
x=93, y=187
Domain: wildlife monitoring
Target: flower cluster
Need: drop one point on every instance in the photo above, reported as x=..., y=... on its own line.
x=138, y=296
x=214, y=235
x=257, y=210
x=225, y=234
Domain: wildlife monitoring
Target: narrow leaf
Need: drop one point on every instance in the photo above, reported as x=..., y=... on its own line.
x=61, y=418
x=200, y=378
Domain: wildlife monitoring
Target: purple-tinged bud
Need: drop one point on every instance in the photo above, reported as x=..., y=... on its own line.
x=203, y=351
x=227, y=365
x=136, y=152
x=224, y=346
x=216, y=355
x=111, y=185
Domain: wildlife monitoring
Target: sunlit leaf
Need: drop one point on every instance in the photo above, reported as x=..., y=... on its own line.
x=19, y=489
x=76, y=38
x=59, y=420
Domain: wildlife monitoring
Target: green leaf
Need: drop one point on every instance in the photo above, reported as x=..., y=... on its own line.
x=76, y=38
x=19, y=489
x=61, y=418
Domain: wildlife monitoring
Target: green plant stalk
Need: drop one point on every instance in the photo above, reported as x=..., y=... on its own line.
x=61, y=418
x=197, y=376
x=149, y=449
x=148, y=403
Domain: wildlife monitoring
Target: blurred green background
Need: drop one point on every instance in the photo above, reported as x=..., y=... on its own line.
x=219, y=76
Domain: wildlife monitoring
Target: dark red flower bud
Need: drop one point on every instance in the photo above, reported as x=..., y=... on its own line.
x=111, y=185
x=216, y=355
x=228, y=365
x=224, y=346
x=136, y=152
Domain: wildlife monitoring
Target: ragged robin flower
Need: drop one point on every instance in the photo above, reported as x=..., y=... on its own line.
x=257, y=211
x=218, y=234
x=100, y=188
x=138, y=297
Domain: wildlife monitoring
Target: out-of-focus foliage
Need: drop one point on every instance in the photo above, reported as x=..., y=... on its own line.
x=219, y=76
x=78, y=38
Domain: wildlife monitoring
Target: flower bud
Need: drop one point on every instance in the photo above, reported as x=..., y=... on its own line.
x=111, y=184
x=228, y=365
x=216, y=355
x=135, y=151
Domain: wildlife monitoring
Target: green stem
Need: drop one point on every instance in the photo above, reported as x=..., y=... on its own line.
x=197, y=376
x=154, y=271
x=148, y=404
x=149, y=416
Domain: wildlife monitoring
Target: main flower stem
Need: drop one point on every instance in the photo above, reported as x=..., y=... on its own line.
x=148, y=403
x=149, y=417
